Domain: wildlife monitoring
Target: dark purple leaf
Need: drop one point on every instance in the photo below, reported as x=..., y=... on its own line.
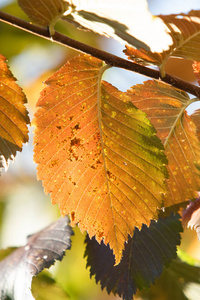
x=191, y=216
x=41, y=251
x=143, y=259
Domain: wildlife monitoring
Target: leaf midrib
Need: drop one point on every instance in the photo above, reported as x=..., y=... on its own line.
x=178, y=117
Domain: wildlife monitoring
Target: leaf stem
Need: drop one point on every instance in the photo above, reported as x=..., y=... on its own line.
x=108, y=58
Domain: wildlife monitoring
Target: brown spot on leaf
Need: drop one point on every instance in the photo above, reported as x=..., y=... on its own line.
x=72, y=216
x=75, y=142
x=77, y=126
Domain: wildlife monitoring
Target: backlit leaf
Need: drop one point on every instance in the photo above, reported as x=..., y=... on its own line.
x=165, y=107
x=184, y=30
x=97, y=154
x=41, y=251
x=44, y=12
x=180, y=281
x=13, y=116
x=196, y=119
x=129, y=21
x=143, y=259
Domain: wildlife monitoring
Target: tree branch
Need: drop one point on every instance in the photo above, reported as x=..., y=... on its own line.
x=109, y=58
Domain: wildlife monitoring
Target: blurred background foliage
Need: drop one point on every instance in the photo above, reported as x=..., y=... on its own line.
x=24, y=208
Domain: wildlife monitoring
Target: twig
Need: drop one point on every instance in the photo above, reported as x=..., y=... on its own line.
x=109, y=58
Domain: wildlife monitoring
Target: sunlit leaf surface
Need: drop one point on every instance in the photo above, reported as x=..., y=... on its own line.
x=143, y=258
x=127, y=21
x=97, y=154
x=41, y=251
x=196, y=119
x=185, y=33
x=165, y=107
x=13, y=116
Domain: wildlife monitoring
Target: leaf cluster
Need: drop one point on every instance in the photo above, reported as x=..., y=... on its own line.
x=119, y=164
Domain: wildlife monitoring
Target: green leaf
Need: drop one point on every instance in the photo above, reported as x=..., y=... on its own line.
x=180, y=281
x=143, y=259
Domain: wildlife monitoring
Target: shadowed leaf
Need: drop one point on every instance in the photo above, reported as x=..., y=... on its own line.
x=179, y=281
x=41, y=251
x=97, y=154
x=165, y=107
x=13, y=116
x=143, y=259
x=185, y=33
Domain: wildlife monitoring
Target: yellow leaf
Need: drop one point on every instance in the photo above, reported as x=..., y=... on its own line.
x=13, y=116
x=165, y=107
x=97, y=154
x=185, y=33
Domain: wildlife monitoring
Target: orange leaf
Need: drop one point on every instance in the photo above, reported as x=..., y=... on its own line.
x=196, y=119
x=165, y=107
x=13, y=116
x=44, y=12
x=184, y=30
x=196, y=68
x=97, y=154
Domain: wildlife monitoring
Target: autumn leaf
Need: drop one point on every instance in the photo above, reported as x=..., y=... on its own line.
x=13, y=116
x=44, y=12
x=196, y=119
x=120, y=20
x=41, y=251
x=165, y=107
x=184, y=30
x=97, y=154
x=129, y=22
x=196, y=69
x=143, y=258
